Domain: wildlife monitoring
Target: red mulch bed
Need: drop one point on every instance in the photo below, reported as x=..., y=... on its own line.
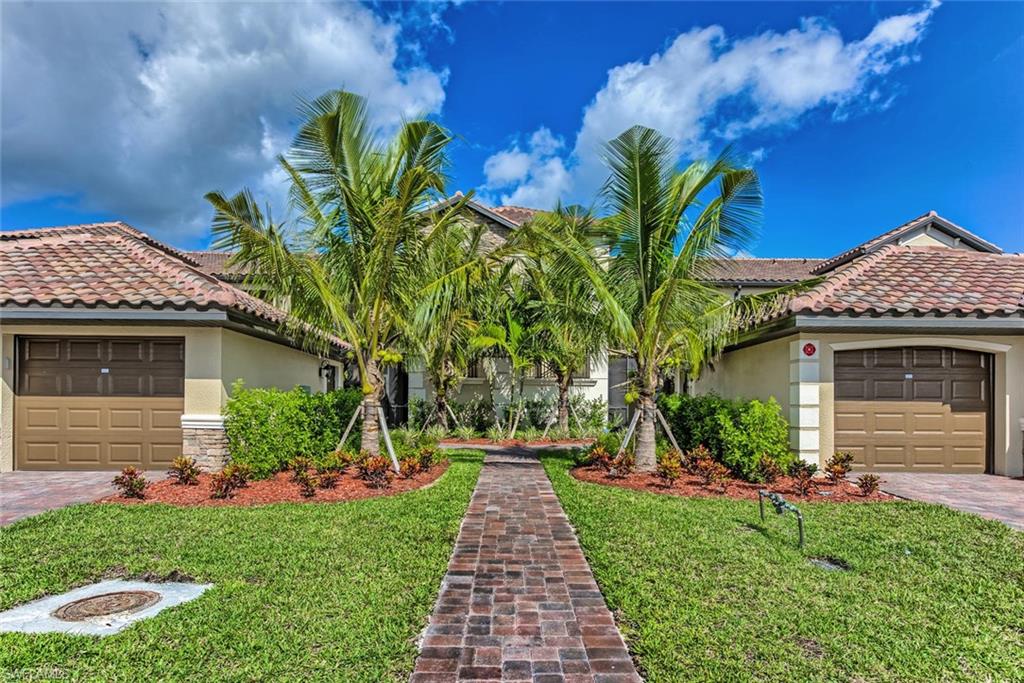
x=689, y=486
x=516, y=442
x=277, y=489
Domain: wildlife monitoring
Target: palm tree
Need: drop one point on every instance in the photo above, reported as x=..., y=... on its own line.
x=663, y=225
x=506, y=332
x=566, y=312
x=349, y=265
x=455, y=273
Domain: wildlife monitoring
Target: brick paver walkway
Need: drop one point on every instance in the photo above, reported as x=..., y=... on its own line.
x=986, y=495
x=519, y=602
x=24, y=494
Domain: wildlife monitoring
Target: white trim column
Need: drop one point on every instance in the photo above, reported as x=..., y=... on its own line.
x=805, y=399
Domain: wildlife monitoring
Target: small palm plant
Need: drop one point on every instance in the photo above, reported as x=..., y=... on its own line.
x=564, y=310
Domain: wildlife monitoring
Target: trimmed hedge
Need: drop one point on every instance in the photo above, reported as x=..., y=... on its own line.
x=268, y=427
x=737, y=432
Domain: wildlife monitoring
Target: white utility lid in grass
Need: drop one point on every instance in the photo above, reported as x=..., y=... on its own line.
x=101, y=609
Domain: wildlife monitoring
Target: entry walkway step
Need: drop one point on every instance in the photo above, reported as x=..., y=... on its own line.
x=519, y=602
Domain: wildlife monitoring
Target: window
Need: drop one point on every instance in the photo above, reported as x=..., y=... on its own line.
x=546, y=371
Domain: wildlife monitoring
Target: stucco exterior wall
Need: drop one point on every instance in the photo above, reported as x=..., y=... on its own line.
x=759, y=372
x=263, y=363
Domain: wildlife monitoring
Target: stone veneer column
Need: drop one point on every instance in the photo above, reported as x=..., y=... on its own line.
x=804, y=399
x=203, y=438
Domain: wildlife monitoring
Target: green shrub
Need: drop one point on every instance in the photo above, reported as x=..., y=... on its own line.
x=694, y=419
x=758, y=431
x=736, y=433
x=267, y=427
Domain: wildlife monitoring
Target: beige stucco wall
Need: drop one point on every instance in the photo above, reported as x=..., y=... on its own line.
x=263, y=363
x=214, y=359
x=804, y=385
x=759, y=372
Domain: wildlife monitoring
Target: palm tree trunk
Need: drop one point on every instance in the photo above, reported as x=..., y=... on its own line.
x=441, y=408
x=563, y=400
x=646, y=460
x=370, y=437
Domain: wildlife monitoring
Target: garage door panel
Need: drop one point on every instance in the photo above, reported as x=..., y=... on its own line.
x=970, y=425
x=82, y=383
x=163, y=454
x=165, y=419
x=85, y=453
x=126, y=453
x=41, y=349
x=97, y=432
x=84, y=418
x=967, y=456
x=41, y=453
x=166, y=351
x=126, y=351
x=129, y=385
x=967, y=359
x=921, y=408
x=126, y=418
x=888, y=358
x=851, y=421
x=166, y=385
x=98, y=403
x=84, y=350
x=888, y=389
x=890, y=455
x=929, y=456
x=41, y=383
x=927, y=390
x=927, y=358
x=968, y=390
x=42, y=417
x=925, y=423
x=853, y=389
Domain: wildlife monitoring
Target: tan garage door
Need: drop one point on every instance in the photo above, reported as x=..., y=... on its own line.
x=914, y=408
x=98, y=403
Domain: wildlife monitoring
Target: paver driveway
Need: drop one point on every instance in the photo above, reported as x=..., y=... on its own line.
x=23, y=494
x=519, y=601
x=986, y=495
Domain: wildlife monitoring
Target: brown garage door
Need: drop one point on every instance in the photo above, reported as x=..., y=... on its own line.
x=98, y=403
x=914, y=408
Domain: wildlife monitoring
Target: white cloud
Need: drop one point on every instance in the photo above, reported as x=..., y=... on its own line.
x=534, y=177
x=139, y=109
x=708, y=88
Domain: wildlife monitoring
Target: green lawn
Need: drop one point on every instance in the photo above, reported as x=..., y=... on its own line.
x=333, y=591
x=932, y=595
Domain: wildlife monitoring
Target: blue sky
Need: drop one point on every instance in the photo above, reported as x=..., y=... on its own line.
x=857, y=116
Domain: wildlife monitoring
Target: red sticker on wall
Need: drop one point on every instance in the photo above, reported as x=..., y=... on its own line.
x=809, y=349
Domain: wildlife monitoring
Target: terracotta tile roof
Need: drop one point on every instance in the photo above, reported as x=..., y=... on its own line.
x=216, y=263
x=769, y=271
x=894, y=235
x=112, y=264
x=515, y=214
x=919, y=280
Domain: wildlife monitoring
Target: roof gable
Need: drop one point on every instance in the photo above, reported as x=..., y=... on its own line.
x=929, y=229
